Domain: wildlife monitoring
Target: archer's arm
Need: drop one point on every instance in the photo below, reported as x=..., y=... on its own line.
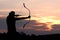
x=22, y=18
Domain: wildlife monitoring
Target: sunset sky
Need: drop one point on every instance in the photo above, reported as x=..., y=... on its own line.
x=38, y=7
x=42, y=11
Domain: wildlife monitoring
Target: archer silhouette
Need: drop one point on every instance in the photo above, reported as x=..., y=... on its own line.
x=11, y=20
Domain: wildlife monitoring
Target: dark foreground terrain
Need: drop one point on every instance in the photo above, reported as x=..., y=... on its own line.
x=23, y=36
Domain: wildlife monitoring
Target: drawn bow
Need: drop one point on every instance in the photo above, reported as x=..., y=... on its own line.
x=29, y=15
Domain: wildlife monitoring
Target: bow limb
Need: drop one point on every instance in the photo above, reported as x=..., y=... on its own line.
x=29, y=14
x=26, y=8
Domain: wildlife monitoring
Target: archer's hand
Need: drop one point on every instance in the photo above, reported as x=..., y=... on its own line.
x=29, y=16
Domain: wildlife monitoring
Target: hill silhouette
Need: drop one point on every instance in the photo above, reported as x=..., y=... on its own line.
x=23, y=36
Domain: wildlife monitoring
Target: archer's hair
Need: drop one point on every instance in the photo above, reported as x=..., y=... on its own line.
x=12, y=13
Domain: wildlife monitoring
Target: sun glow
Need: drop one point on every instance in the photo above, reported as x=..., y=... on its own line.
x=49, y=25
x=49, y=21
x=52, y=19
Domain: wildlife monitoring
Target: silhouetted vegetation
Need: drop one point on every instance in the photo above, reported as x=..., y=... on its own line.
x=23, y=36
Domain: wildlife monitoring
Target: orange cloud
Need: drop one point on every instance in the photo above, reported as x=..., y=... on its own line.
x=3, y=31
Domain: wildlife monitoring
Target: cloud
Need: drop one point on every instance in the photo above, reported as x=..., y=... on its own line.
x=3, y=31
x=56, y=27
x=1, y=15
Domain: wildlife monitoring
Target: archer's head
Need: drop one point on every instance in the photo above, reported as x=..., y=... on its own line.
x=12, y=13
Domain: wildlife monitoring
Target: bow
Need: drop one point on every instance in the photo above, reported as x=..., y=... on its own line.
x=29, y=15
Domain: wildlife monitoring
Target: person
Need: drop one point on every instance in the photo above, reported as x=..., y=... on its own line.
x=11, y=20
